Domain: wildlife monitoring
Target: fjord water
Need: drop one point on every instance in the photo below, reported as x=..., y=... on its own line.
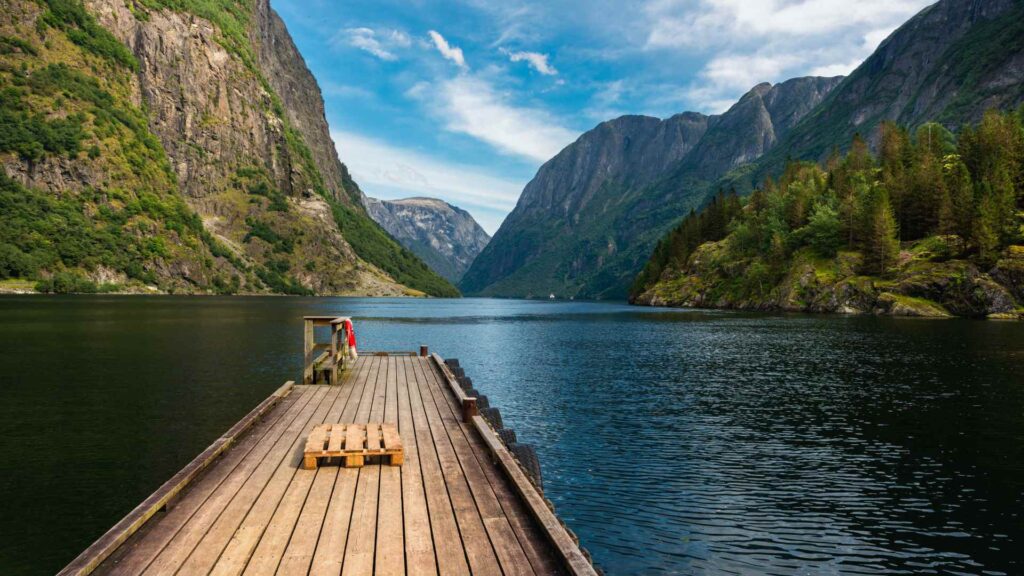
x=671, y=441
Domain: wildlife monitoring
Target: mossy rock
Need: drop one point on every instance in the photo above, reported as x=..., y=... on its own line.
x=900, y=305
x=938, y=248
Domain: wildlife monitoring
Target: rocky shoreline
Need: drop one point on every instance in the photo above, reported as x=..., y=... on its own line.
x=933, y=280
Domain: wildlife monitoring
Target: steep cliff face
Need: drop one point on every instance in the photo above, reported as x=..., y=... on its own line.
x=447, y=238
x=586, y=223
x=257, y=170
x=755, y=124
x=949, y=63
x=286, y=72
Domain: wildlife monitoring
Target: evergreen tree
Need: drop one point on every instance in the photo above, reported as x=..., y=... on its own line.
x=881, y=249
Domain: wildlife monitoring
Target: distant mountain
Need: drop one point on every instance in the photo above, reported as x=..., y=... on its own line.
x=588, y=220
x=184, y=148
x=447, y=238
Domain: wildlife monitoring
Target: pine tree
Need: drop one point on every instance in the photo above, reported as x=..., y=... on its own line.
x=986, y=235
x=881, y=248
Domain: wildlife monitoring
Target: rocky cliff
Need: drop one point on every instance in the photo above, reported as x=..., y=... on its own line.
x=447, y=238
x=221, y=98
x=586, y=223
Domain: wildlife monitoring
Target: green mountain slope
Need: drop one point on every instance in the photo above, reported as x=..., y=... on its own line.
x=928, y=228
x=587, y=222
x=157, y=133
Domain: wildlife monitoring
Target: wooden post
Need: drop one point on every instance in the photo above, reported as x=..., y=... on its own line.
x=307, y=372
x=468, y=409
x=424, y=351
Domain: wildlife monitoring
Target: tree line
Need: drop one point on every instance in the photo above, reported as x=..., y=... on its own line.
x=916, y=185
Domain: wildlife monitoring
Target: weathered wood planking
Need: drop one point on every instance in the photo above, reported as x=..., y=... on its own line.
x=455, y=506
x=92, y=556
x=559, y=537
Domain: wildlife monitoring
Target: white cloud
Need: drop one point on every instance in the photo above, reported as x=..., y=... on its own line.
x=381, y=44
x=770, y=40
x=389, y=172
x=709, y=22
x=536, y=60
x=470, y=105
x=449, y=52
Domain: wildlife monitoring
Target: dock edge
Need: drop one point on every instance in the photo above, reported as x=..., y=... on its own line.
x=558, y=536
x=103, y=547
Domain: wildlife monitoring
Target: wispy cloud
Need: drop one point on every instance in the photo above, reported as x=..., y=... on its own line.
x=470, y=105
x=380, y=43
x=536, y=60
x=770, y=40
x=449, y=52
x=387, y=171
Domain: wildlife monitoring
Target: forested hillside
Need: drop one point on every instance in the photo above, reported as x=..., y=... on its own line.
x=176, y=146
x=931, y=225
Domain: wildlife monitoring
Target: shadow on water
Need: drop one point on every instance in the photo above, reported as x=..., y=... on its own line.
x=673, y=442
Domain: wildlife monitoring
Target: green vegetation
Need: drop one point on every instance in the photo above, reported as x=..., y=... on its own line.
x=65, y=101
x=46, y=232
x=257, y=182
x=941, y=197
x=275, y=276
x=263, y=231
x=71, y=17
x=230, y=16
x=374, y=245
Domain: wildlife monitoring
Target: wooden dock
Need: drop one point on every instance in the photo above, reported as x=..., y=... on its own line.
x=459, y=504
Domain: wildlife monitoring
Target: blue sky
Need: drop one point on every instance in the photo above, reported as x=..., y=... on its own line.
x=464, y=100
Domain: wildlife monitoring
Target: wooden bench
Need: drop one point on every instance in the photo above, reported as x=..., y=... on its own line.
x=353, y=443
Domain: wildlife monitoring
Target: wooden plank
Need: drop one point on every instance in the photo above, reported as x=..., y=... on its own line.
x=337, y=439
x=95, y=554
x=290, y=482
x=451, y=552
x=569, y=551
x=506, y=545
x=477, y=543
x=215, y=537
x=390, y=545
x=185, y=540
x=334, y=515
x=571, y=555
x=271, y=547
x=355, y=438
x=373, y=436
x=392, y=441
x=419, y=542
x=531, y=538
x=359, y=550
x=135, y=554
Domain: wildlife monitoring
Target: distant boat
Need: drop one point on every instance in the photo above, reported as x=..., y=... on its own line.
x=551, y=296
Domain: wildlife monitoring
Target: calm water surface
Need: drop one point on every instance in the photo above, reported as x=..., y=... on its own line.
x=672, y=442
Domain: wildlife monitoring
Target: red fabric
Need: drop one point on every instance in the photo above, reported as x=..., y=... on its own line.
x=351, y=333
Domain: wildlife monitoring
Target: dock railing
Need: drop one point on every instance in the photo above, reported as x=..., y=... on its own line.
x=330, y=357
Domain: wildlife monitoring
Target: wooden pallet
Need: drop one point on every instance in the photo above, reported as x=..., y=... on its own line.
x=353, y=443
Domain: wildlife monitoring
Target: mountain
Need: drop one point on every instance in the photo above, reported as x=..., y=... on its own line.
x=447, y=238
x=588, y=220
x=184, y=147
x=931, y=226
x=949, y=64
x=956, y=205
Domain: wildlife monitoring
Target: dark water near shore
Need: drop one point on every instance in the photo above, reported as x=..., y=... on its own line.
x=678, y=442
